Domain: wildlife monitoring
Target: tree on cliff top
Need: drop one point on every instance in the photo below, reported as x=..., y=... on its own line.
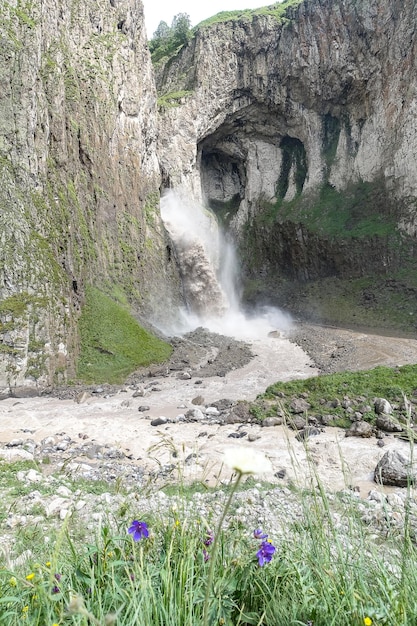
x=166, y=39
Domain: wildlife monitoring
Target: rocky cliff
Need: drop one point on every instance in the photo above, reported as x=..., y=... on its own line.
x=298, y=126
x=295, y=123
x=79, y=178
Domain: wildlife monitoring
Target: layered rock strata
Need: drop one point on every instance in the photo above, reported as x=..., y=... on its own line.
x=79, y=178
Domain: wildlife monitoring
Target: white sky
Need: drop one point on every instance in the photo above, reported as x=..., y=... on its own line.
x=164, y=10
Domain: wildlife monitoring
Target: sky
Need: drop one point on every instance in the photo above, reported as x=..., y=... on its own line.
x=164, y=10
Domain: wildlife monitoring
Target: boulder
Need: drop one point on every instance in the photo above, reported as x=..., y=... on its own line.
x=360, y=429
x=382, y=406
x=388, y=424
x=299, y=405
x=296, y=423
x=395, y=469
x=271, y=421
x=305, y=433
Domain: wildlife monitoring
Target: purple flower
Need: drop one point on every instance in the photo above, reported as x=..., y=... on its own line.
x=209, y=538
x=55, y=589
x=265, y=552
x=139, y=530
x=205, y=555
x=259, y=534
x=57, y=577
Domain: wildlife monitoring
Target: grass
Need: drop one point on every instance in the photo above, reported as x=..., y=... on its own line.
x=320, y=391
x=113, y=344
x=172, y=99
x=359, y=211
x=370, y=301
x=326, y=569
x=277, y=10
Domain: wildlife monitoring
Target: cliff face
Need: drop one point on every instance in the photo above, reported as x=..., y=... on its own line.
x=79, y=177
x=302, y=131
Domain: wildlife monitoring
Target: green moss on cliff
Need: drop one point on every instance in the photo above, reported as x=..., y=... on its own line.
x=277, y=10
x=113, y=344
x=173, y=99
x=361, y=210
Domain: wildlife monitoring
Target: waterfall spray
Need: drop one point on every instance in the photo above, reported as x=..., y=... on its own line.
x=207, y=261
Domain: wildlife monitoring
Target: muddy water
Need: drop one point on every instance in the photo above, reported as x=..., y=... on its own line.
x=337, y=461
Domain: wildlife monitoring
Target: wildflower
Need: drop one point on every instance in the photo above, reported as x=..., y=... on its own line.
x=367, y=621
x=48, y=564
x=209, y=538
x=259, y=534
x=12, y=581
x=139, y=530
x=25, y=610
x=247, y=461
x=206, y=555
x=30, y=576
x=55, y=589
x=57, y=577
x=265, y=552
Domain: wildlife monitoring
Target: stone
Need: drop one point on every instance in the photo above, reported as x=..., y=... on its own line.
x=305, y=433
x=82, y=397
x=212, y=410
x=14, y=443
x=382, y=406
x=198, y=400
x=360, y=429
x=395, y=469
x=159, y=421
x=388, y=424
x=54, y=506
x=184, y=376
x=271, y=421
x=299, y=405
x=296, y=423
x=33, y=476
x=64, y=491
x=194, y=415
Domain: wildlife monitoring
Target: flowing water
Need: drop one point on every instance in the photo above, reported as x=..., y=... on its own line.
x=208, y=265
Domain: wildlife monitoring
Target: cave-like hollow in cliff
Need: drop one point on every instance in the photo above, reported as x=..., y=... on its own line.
x=253, y=155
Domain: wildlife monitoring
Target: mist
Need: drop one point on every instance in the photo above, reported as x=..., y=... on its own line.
x=209, y=270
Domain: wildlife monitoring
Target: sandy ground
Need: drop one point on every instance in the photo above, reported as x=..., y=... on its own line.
x=116, y=420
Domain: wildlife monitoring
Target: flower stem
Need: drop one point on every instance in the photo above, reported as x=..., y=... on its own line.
x=214, y=549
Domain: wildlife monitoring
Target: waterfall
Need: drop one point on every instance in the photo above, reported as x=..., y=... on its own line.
x=208, y=266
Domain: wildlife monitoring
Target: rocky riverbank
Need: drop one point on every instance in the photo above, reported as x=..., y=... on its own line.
x=170, y=425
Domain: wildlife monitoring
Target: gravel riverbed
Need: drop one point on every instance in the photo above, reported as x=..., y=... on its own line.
x=166, y=425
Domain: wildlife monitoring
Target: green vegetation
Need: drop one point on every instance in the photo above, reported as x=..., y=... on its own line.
x=167, y=41
x=361, y=210
x=373, y=302
x=277, y=10
x=323, y=566
x=321, y=391
x=172, y=99
x=113, y=344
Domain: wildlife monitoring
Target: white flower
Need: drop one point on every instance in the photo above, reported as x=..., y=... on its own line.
x=247, y=461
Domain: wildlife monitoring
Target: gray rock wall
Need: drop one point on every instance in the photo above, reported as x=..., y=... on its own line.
x=79, y=177
x=337, y=76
